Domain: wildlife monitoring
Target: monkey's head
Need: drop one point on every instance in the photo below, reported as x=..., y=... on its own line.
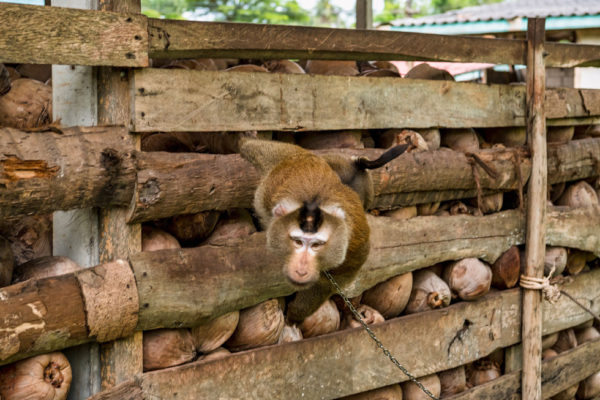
x=309, y=238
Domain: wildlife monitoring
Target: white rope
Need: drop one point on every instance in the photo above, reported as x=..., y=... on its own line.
x=551, y=292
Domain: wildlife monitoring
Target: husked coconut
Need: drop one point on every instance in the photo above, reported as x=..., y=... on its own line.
x=385, y=65
x=369, y=315
x=154, y=239
x=164, y=348
x=490, y=203
x=380, y=73
x=506, y=269
x=191, y=229
x=45, y=267
x=330, y=140
x=402, y=213
x=324, y=320
x=426, y=71
x=428, y=209
x=586, y=131
x=548, y=354
x=43, y=377
x=512, y=136
x=30, y=237
x=247, y=68
x=549, y=340
x=392, y=392
x=224, y=142
x=210, y=336
x=331, y=67
x=290, y=333
x=429, y=292
x=576, y=260
x=566, y=341
x=464, y=140
x=559, y=134
x=452, y=381
x=390, y=297
x=589, y=388
x=395, y=137
x=586, y=334
x=410, y=390
x=283, y=67
x=557, y=190
x=7, y=262
x=27, y=105
x=259, y=325
x=556, y=257
x=216, y=354
x=483, y=371
x=198, y=64
x=172, y=142
x=39, y=72
x=580, y=194
x=432, y=137
x=236, y=225
x=468, y=279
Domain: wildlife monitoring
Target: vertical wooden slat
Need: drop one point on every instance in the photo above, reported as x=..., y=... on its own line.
x=364, y=14
x=121, y=359
x=536, y=210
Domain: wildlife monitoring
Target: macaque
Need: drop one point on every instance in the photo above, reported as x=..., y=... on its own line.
x=312, y=210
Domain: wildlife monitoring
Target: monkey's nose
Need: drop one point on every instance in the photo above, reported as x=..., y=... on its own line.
x=301, y=273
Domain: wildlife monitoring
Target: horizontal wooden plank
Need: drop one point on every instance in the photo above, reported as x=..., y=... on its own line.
x=326, y=367
x=177, y=39
x=54, y=35
x=567, y=55
x=184, y=100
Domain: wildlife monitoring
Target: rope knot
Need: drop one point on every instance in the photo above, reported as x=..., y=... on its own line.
x=551, y=291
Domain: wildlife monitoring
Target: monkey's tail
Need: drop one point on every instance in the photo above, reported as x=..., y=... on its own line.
x=364, y=163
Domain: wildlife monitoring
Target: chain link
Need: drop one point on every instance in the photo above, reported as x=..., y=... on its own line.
x=375, y=339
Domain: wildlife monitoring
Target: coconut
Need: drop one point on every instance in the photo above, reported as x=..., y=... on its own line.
x=199, y=64
x=489, y=204
x=395, y=137
x=209, y=336
x=559, y=134
x=341, y=304
x=224, y=142
x=429, y=292
x=392, y=392
x=154, y=239
x=165, y=348
x=566, y=341
x=428, y=209
x=259, y=325
x=576, y=260
x=506, y=269
x=235, y=226
x=589, y=388
x=410, y=390
x=380, y=73
x=30, y=237
x=43, y=377
x=557, y=190
x=7, y=262
x=458, y=208
x=45, y=267
x=368, y=142
x=173, y=142
x=324, y=320
x=39, y=72
x=556, y=257
x=510, y=136
x=224, y=63
x=452, y=381
x=13, y=74
x=390, y=297
x=432, y=137
x=4, y=80
x=331, y=67
x=330, y=140
x=586, y=131
x=580, y=194
x=191, y=229
x=549, y=340
x=216, y=354
x=548, y=354
x=483, y=371
x=468, y=279
x=368, y=314
x=426, y=71
x=283, y=67
x=496, y=357
x=464, y=140
x=247, y=68
x=586, y=334
x=27, y=105
x=402, y=213
x=290, y=333
x=385, y=65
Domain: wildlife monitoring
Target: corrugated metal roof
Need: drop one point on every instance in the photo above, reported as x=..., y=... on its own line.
x=508, y=10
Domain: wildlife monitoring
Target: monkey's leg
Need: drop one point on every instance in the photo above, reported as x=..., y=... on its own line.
x=307, y=301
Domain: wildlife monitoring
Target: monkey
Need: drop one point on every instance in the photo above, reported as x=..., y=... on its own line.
x=313, y=210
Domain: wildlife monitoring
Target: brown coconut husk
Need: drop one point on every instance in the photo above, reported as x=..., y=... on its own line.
x=172, y=142
x=216, y=354
x=199, y=64
x=580, y=194
x=290, y=333
x=549, y=340
x=283, y=67
x=452, y=381
x=330, y=140
x=586, y=131
x=566, y=341
x=7, y=262
x=39, y=72
x=224, y=142
x=27, y=105
x=559, y=134
x=432, y=137
x=341, y=305
x=247, y=68
x=45, y=267
x=509, y=136
x=4, y=80
x=429, y=292
x=410, y=390
x=506, y=269
x=402, y=213
x=557, y=190
x=324, y=320
x=259, y=325
x=468, y=279
x=392, y=392
x=390, y=297
x=589, y=388
x=224, y=63
x=44, y=377
x=385, y=65
x=368, y=142
x=331, y=67
x=555, y=258
x=395, y=137
x=483, y=371
x=380, y=73
x=464, y=140
x=489, y=204
x=576, y=260
x=236, y=225
x=30, y=237
x=210, y=336
x=586, y=334
x=154, y=239
x=548, y=354
x=368, y=314
x=428, y=209
x=164, y=348
x=426, y=71
x=191, y=229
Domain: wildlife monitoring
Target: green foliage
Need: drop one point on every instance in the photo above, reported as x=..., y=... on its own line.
x=441, y=6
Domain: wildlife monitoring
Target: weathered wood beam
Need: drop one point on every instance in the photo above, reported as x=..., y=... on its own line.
x=54, y=35
x=567, y=55
x=325, y=367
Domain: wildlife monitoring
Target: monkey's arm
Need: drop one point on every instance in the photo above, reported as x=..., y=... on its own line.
x=306, y=302
x=265, y=154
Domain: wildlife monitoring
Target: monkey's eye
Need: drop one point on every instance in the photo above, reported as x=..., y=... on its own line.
x=297, y=243
x=316, y=246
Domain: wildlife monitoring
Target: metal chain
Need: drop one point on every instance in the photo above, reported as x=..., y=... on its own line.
x=372, y=335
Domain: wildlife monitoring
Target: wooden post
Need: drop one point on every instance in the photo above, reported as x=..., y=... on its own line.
x=364, y=14
x=121, y=359
x=536, y=210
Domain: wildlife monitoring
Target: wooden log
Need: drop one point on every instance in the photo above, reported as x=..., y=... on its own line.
x=54, y=35
x=325, y=367
x=536, y=210
x=76, y=167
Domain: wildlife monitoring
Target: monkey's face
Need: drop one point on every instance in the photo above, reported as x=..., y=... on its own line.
x=306, y=254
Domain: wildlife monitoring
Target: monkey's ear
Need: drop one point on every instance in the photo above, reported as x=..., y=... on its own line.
x=284, y=207
x=334, y=209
